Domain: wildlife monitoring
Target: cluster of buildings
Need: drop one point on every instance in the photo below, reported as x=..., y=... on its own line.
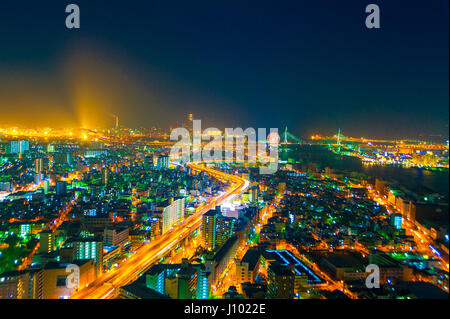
x=82, y=207
x=71, y=202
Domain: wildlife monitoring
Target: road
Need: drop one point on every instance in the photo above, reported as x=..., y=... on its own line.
x=107, y=285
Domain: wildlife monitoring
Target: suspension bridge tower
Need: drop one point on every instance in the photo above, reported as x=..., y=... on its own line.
x=339, y=141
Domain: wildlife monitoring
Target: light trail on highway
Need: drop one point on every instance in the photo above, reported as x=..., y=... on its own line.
x=108, y=284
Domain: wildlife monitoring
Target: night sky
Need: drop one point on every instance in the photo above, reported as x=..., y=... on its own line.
x=310, y=65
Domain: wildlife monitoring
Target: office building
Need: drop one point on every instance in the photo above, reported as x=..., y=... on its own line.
x=17, y=147
x=163, y=162
x=216, y=229
x=247, y=269
x=179, y=281
x=216, y=263
x=116, y=236
x=170, y=213
x=87, y=248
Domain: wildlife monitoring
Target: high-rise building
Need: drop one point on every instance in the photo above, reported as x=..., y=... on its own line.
x=216, y=229
x=179, y=281
x=116, y=236
x=62, y=158
x=105, y=175
x=52, y=280
x=17, y=147
x=88, y=248
x=171, y=213
x=224, y=229
x=61, y=188
x=247, y=269
x=254, y=192
x=397, y=220
x=38, y=165
x=24, y=146
x=217, y=262
x=46, y=242
x=16, y=285
x=38, y=170
x=46, y=187
x=208, y=229
x=163, y=162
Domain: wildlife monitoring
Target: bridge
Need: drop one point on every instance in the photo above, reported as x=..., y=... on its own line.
x=339, y=139
x=289, y=138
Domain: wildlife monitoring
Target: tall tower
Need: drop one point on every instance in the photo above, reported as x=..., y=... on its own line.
x=190, y=124
x=208, y=229
x=38, y=168
x=38, y=165
x=105, y=176
x=339, y=141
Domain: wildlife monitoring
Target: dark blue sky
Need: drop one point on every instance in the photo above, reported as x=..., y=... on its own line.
x=310, y=65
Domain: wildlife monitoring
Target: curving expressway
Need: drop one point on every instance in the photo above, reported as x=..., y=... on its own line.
x=107, y=285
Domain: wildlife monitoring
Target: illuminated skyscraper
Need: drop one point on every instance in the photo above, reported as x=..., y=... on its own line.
x=163, y=162
x=38, y=165
x=89, y=248
x=216, y=229
x=17, y=147
x=38, y=169
x=224, y=229
x=171, y=213
x=208, y=229
x=254, y=193
x=179, y=281
x=46, y=186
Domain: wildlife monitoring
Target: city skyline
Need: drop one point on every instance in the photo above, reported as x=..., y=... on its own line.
x=224, y=158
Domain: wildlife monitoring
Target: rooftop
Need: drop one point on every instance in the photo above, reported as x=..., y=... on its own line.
x=140, y=290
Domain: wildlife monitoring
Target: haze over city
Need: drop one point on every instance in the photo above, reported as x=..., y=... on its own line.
x=250, y=65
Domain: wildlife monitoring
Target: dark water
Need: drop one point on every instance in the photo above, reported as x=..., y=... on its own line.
x=415, y=179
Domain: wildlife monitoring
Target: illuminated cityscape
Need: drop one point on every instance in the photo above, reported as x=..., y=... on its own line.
x=141, y=226
x=110, y=189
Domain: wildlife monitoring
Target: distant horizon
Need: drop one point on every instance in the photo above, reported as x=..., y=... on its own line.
x=166, y=129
